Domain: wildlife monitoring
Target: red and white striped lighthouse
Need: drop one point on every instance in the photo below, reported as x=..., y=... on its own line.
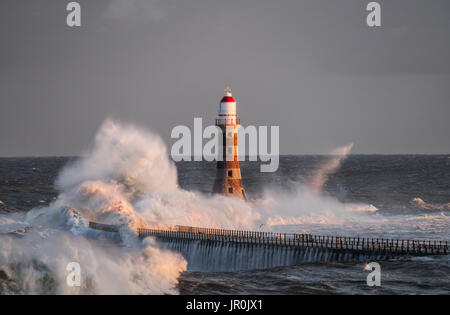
x=228, y=177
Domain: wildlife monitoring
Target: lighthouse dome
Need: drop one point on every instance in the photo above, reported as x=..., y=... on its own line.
x=227, y=104
x=227, y=99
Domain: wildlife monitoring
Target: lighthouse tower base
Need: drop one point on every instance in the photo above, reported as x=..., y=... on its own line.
x=229, y=181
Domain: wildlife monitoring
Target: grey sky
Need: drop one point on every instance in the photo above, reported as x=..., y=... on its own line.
x=313, y=67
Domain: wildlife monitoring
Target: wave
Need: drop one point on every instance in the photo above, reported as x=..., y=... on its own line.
x=126, y=178
x=320, y=177
x=419, y=203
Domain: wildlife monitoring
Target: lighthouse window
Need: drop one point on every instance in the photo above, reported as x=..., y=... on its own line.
x=229, y=134
x=230, y=190
x=230, y=173
x=230, y=150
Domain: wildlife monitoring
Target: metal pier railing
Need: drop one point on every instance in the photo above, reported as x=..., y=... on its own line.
x=356, y=244
x=391, y=246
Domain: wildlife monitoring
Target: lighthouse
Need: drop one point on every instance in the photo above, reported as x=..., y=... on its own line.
x=228, y=176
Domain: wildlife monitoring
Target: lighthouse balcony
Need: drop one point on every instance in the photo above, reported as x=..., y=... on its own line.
x=228, y=121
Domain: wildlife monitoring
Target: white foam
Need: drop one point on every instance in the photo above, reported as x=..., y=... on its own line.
x=127, y=179
x=420, y=203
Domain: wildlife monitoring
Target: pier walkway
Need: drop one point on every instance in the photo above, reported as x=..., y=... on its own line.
x=355, y=244
x=387, y=247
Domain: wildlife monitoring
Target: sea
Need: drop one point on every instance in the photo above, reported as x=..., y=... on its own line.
x=390, y=196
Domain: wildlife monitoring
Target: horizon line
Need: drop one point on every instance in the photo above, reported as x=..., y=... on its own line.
x=193, y=156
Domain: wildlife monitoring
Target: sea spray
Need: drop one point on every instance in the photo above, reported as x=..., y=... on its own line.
x=320, y=177
x=127, y=179
x=419, y=203
x=303, y=206
x=306, y=204
x=103, y=185
x=36, y=264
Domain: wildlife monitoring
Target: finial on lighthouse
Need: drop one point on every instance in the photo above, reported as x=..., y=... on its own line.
x=227, y=91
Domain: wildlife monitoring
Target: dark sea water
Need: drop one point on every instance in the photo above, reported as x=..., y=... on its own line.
x=410, y=195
